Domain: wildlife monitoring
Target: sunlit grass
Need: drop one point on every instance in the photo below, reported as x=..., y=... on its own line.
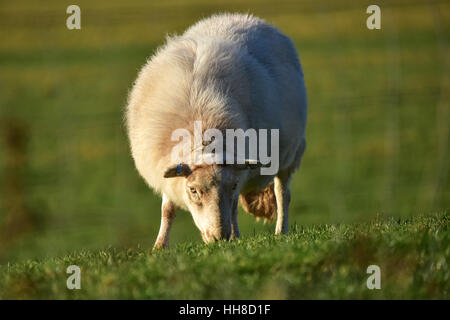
x=325, y=261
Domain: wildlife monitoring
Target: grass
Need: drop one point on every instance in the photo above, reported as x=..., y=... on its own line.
x=324, y=261
x=378, y=143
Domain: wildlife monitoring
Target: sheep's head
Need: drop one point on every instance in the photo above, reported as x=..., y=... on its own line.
x=211, y=194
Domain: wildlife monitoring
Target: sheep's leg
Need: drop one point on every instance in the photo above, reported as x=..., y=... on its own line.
x=168, y=212
x=283, y=197
x=234, y=222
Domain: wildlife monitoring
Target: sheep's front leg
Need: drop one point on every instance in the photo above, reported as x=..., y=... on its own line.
x=283, y=197
x=234, y=222
x=168, y=212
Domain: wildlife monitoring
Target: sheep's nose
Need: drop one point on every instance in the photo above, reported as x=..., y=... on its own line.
x=218, y=234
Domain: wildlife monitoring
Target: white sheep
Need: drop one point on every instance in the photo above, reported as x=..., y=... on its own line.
x=228, y=71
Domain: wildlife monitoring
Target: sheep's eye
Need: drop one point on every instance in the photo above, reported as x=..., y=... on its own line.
x=194, y=194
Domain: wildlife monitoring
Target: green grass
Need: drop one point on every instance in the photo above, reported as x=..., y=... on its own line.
x=378, y=143
x=324, y=261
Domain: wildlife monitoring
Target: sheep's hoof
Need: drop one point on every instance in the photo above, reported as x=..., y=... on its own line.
x=281, y=232
x=160, y=246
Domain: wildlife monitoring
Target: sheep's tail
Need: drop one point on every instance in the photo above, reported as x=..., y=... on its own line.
x=261, y=204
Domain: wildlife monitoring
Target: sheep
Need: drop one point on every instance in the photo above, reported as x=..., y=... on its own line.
x=228, y=71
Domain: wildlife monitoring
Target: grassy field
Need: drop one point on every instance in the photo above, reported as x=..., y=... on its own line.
x=378, y=140
x=321, y=262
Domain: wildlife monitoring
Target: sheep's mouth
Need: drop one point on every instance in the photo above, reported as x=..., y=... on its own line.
x=209, y=237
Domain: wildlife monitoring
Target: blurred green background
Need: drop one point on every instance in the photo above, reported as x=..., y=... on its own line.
x=378, y=128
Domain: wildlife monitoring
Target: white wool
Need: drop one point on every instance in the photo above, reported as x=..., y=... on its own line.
x=229, y=71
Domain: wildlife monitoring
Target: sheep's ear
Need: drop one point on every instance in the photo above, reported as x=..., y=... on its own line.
x=180, y=170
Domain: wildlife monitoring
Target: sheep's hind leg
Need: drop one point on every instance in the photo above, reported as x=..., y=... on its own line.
x=168, y=213
x=283, y=197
